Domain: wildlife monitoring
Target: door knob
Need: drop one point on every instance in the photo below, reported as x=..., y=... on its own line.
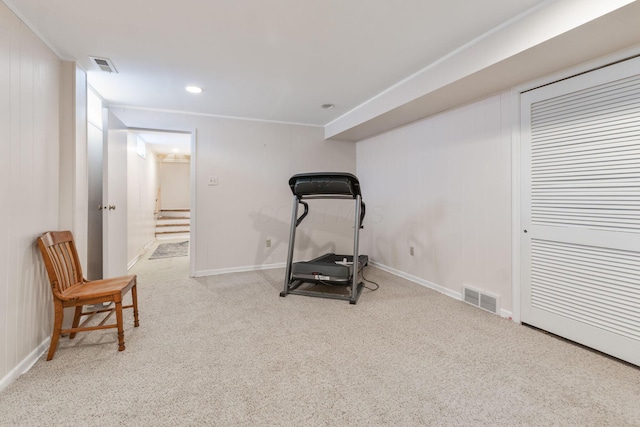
x=99, y=207
x=112, y=207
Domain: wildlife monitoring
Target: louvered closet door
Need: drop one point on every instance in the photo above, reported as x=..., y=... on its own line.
x=581, y=209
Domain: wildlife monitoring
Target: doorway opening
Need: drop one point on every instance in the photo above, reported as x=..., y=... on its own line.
x=159, y=190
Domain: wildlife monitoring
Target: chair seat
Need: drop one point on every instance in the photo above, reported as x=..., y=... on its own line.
x=100, y=288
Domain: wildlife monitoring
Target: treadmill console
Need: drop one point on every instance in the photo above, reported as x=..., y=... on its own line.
x=325, y=183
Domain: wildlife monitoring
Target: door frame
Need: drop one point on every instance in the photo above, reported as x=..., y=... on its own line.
x=516, y=157
x=193, y=132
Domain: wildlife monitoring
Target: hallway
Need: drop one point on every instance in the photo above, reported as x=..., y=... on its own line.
x=152, y=270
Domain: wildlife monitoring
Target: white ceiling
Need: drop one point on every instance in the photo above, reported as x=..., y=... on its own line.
x=268, y=60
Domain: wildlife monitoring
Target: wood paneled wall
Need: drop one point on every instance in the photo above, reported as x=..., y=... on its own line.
x=443, y=186
x=252, y=201
x=29, y=189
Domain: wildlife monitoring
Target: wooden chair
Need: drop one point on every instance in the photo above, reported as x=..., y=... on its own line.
x=70, y=289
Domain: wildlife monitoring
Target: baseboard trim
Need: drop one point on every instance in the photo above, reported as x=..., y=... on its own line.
x=506, y=314
x=133, y=262
x=204, y=273
x=428, y=284
x=142, y=252
x=402, y=274
x=25, y=365
x=419, y=281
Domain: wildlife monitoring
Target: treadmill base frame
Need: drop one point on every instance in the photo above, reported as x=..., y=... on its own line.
x=293, y=290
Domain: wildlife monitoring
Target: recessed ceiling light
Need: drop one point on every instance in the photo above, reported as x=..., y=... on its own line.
x=327, y=106
x=193, y=89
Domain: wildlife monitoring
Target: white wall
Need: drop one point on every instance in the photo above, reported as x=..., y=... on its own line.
x=29, y=189
x=142, y=189
x=252, y=202
x=175, y=185
x=443, y=186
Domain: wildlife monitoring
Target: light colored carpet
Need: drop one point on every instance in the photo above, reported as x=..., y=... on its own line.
x=227, y=350
x=170, y=250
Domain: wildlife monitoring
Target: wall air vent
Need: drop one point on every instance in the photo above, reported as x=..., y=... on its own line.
x=103, y=64
x=481, y=299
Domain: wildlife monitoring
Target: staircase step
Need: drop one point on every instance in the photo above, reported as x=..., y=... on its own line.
x=163, y=222
x=173, y=223
x=173, y=213
x=173, y=236
x=171, y=232
x=173, y=229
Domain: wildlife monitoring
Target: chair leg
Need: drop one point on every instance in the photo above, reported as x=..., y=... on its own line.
x=134, y=297
x=57, y=328
x=120, y=327
x=76, y=321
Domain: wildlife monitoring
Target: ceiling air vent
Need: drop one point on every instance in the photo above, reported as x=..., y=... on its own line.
x=103, y=64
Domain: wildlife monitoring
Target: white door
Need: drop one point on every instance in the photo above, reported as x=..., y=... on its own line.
x=115, y=198
x=95, y=186
x=581, y=209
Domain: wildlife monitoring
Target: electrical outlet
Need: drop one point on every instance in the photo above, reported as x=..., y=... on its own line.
x=213, y=180
x=268, y=243
x=411, y=250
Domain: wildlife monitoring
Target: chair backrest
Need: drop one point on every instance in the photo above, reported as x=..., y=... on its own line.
x=61, y=260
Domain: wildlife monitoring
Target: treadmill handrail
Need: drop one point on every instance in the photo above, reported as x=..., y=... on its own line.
x=304, y=214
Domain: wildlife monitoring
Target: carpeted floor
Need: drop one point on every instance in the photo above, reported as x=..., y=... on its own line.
x=227, y=350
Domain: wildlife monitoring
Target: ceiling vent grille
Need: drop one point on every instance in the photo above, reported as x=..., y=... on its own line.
x=481, y=299
x=103, y=64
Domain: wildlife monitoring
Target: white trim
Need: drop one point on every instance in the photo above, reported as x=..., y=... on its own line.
x=180, y=132
x=134, y=261
x=25, y=364
x=193, y=208
x=204, y=273
x=506, y=314
x=515, y=205
x=218, y=116
x=137, y=257
x=582, y=68
x=427, y=284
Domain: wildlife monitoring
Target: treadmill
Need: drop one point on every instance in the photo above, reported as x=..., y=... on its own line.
x=330, y=275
